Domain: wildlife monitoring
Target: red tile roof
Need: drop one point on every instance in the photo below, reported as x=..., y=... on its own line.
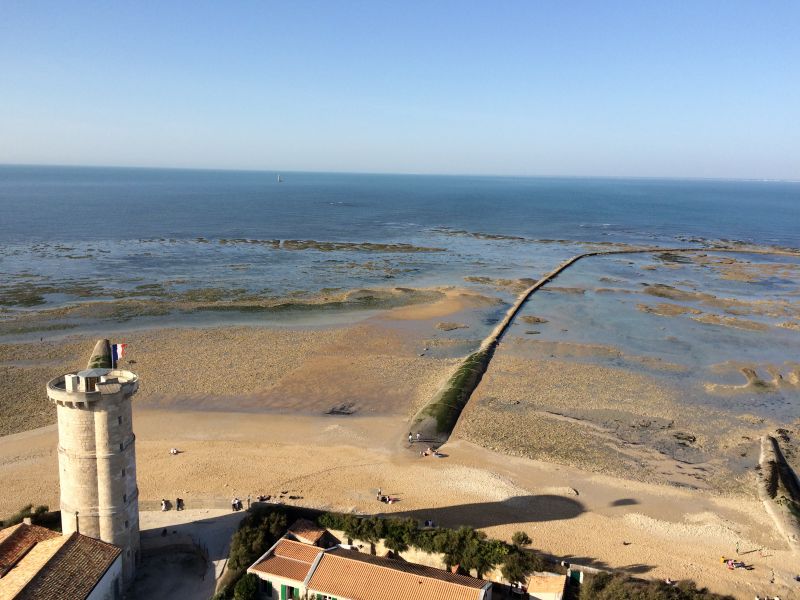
x=288, y=559
x=74, y=570
x=37, y=563
x=350, y=574
x=306, y=531
x=16, y=542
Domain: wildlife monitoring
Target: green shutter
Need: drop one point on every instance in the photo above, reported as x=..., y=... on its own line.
x=283, y=592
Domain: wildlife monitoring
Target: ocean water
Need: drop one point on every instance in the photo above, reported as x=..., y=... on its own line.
x=125, y=229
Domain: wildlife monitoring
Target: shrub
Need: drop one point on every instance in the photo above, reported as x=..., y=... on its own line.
x=256, y=533
x=520, y=539
x=246, y=588
x=38, y=516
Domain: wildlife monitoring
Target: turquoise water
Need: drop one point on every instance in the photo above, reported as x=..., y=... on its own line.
x=123, y=228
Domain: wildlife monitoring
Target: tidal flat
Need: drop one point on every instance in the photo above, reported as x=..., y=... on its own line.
x=675, y=391
x=702, y=342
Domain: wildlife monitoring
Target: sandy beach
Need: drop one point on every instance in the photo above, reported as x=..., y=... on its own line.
x=334, y=462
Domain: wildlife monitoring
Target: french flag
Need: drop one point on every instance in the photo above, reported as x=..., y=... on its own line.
x=117, y=352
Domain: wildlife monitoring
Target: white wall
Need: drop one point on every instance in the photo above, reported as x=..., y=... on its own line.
x=104, y=590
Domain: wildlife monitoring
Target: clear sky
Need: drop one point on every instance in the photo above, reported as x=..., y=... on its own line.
x=696, y=88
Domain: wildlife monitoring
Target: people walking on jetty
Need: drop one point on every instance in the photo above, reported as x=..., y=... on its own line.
x=410, y=438
x=419, y=435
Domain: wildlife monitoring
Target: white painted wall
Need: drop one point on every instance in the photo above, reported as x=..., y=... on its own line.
x=104, y=590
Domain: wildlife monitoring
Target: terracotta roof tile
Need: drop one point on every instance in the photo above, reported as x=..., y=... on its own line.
x=73, y=571
x=27, y=568
x=349, y=574
x=282, y=567
x=297, y=551
x=17, y=541
x=288, y=559
x=306, y=531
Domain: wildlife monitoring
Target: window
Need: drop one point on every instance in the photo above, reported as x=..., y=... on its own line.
x=120, y=447
x=126, y=524
x=124, y=497
x=119, y=420
x=123, y=472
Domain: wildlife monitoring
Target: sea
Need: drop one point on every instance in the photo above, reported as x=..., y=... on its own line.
x=125, y=228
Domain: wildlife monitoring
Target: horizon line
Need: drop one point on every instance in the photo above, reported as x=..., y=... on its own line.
x=401, y=173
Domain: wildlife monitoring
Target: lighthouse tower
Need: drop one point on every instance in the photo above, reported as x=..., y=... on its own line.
x=96, y=454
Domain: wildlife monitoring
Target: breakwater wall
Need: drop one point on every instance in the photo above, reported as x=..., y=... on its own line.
x=436, y=420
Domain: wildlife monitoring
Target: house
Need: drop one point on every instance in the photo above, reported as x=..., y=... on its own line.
x=36, y=563
x=308, y=532
x=293, y=570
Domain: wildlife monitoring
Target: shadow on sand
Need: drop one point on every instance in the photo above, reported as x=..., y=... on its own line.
x=519, y=509
x=624, y=502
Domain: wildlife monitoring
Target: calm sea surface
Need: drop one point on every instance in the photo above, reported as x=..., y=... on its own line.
x=126, y=227
x=71, y=204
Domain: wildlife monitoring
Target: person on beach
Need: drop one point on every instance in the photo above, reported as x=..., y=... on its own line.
x=418, y=436
x=410, y=438
x=248, y=501
x=163, y=505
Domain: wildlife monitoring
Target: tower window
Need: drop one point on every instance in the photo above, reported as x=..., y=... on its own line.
x=124, y=497
x=123, y=472
x=120, y=446
x=126, y=524
x=119, y=420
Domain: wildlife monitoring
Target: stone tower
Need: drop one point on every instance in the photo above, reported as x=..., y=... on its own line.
x=96, y=454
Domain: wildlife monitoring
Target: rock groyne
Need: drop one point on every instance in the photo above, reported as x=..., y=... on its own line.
x=436, y=420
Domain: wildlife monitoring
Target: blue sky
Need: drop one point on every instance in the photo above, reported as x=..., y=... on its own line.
x=675, y=89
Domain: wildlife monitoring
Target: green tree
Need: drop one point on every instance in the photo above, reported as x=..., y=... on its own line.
x=372, y=531
x=518, y=565
x=482, y=555
x=246, y=588
x=400, y=534
x=453, y=544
